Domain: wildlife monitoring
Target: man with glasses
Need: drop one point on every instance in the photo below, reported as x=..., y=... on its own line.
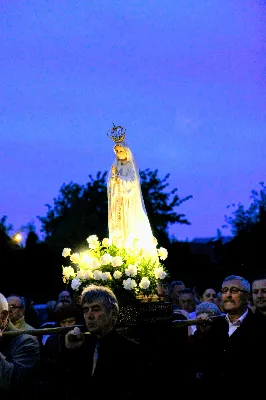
x=242, y=342
x=17, y=308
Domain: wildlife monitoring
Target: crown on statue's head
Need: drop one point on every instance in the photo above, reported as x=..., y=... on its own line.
x=117, y=133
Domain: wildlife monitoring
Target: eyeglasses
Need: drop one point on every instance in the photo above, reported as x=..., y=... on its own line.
x=232, y=290
x=12, y=307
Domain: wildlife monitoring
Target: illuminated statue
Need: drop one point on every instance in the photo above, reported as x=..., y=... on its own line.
x=127, y=216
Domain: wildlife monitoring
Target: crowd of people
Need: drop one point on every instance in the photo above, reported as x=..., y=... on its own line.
x=209, y=341
x=222, y=344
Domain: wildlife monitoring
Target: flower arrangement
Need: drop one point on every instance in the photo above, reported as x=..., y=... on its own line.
x=116, y=265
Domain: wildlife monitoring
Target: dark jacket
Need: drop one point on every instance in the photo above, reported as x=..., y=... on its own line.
x=233, y=362
x=19, y=365
x=119, y=371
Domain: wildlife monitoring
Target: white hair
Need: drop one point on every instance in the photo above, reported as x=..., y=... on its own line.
x=3, y=303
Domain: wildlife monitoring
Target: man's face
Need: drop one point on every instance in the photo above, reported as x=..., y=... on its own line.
x=15, y=310
x=3, y=319
x=187, y=302
x=64, y=297
x=235, y=298
x=259, y=294
x=98, y=320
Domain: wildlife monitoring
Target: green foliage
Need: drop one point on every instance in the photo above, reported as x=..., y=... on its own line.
x=77, y=212
x=4, y=227
x=246, y=220
x=246, y=251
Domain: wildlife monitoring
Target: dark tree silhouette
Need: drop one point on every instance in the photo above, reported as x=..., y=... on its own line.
x=245, y=253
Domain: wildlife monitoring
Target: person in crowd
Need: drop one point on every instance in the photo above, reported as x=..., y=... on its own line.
x=203, y=350
x=108, y=362
x=66, y=315
x=163, y=291
x=209, y=295
x=19, y=359
x=187, y=300
x=239, y=343
x=17, y=308
x=64, y=297
x=175, y=288
x=31, y=315
x=259, y=297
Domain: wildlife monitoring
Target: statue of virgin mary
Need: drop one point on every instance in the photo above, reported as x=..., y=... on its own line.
x=127, y=216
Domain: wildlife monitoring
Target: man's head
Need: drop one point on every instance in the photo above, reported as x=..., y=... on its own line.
x=235, y=295
x=175, y=288
x=3, y=311
x=66, y=314
x=16, y=307
x=206, y=310
x=187, y=300
x=65, y=297
x=100, y=309
x=259, y=294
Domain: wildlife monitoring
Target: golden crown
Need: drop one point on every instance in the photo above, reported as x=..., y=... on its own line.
x=117, y=133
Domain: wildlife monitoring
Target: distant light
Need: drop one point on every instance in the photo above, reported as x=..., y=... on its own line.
x=17, y=238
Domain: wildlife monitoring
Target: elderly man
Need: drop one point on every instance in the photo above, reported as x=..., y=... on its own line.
x=17, y=307
x=19, y=359
x=101, y=360
x=240, y=341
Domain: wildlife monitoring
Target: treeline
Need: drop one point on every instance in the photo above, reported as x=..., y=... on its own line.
x=81, y=210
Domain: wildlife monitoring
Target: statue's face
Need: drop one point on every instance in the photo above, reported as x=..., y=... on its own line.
x=120, y=152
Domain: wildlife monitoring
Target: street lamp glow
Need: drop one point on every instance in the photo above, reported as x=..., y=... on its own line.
x=17, y=238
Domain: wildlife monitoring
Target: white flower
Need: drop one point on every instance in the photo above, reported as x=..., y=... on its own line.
x=66, y=252
x=75, y=258
x=106, y=259
x=129, y=284
x=97, y=274
x=106, y=276
x=93, y=241
x=159, y=273
x=117, y=274
x=107, y=242
x=117, y=261
x=95, y=263
x=75, y=284
x=68, y=272
x=162, y=253
x=131, y=270
x=144, y=283
x=84, y=274
x=130, y=259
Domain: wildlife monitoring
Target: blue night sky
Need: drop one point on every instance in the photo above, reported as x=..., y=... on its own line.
x=186, y=78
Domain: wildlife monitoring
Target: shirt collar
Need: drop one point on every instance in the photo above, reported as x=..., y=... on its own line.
x=237, y=322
